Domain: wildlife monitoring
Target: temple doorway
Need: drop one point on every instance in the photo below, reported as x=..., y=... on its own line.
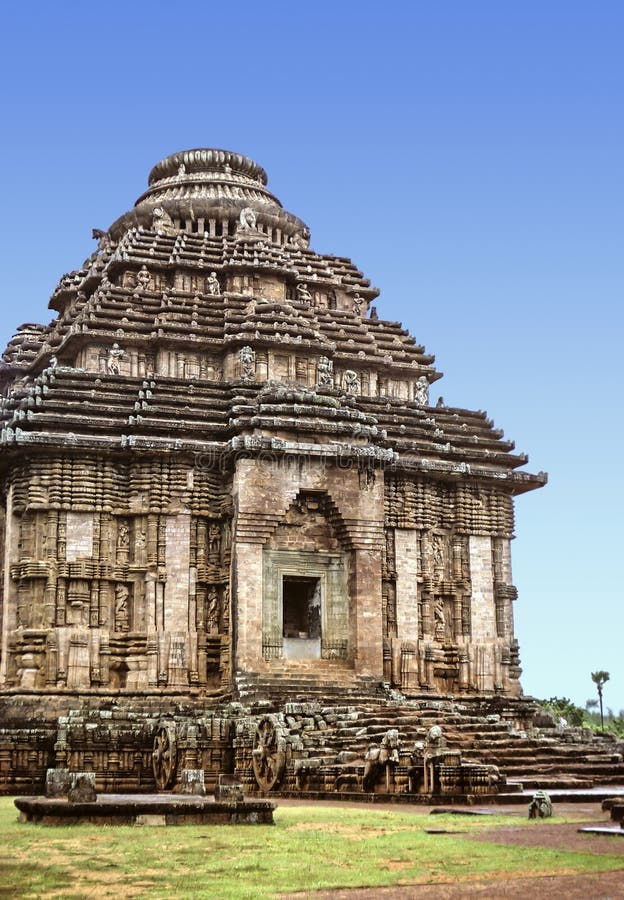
x=301, y=616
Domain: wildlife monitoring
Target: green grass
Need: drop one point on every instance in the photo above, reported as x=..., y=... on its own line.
x=308, y=848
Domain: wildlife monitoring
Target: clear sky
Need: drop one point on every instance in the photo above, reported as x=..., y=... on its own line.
x=468, y=156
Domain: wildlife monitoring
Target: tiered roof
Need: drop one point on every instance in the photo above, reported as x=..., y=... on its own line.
x=190, y=223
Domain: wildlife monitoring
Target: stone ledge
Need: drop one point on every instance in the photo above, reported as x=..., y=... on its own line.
x=155, y=809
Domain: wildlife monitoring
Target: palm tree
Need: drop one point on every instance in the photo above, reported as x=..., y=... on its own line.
x=599, y=679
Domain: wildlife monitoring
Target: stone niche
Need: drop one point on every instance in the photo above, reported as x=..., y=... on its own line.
x=306, y=605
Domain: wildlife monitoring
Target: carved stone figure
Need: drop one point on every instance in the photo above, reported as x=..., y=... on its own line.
x=351, y=382
x=357, y=304
x=379, y=758
x=115, y=355
x=212, y=283
x=300, y=240
x=212, y=612
x=247, y=219
x=161, y=220
x=214, y=539
x=421, y=391
x=122, y=595
x=371, y=768
x=303, y=294
x=123, y=535
x=248, y=363
x=540, y=806
x=438, y=554
x=325, y=372
x=439, y=619
x=143, y=278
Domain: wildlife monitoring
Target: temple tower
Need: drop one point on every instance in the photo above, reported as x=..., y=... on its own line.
x=217, y=460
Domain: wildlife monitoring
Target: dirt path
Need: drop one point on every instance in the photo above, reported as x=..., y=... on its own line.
x=565, y=836
x=602, y=886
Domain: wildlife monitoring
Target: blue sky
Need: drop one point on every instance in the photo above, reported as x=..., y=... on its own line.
x=467, y=154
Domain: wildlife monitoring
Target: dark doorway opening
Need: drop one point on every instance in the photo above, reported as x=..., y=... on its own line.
x=302, y=607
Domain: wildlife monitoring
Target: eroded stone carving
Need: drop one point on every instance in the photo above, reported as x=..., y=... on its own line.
x=247, y=219
x=325, y=372
x=212, y=283
x=113, y=362
x=161, y=220
x=351, y=382
x=248, y=363
x=381, y=758
x=303, y=294
x=164, y=755
x=269, y=753
x=421, y=391
x=143, y=278
x=540, y=806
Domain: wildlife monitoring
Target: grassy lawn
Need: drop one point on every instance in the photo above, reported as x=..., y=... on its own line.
x=307, y=848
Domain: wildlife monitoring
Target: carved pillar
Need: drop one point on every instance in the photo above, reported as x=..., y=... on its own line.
x=61, y=601
x=51, y=659
x=408, y=652
x=152, y=540
x=365, y=611
x=200, y=607
x=193, y=663
x=94, y=604
x=464, y=670
x=407, y=572
x=152, y=660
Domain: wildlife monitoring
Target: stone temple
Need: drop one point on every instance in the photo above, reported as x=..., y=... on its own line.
x=223, y=474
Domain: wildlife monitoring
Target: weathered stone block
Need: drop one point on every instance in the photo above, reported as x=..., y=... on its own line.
x=58, y=782
x=229, y=789
x=82, y=788
x=192, y=782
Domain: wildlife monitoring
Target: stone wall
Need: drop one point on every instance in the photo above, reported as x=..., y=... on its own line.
x=349, y=534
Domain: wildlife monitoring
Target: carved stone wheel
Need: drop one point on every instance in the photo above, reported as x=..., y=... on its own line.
x=269, y=753
x=164, y=756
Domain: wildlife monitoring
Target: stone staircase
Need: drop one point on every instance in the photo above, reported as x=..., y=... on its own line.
x=333, y=684
x=340, y=720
